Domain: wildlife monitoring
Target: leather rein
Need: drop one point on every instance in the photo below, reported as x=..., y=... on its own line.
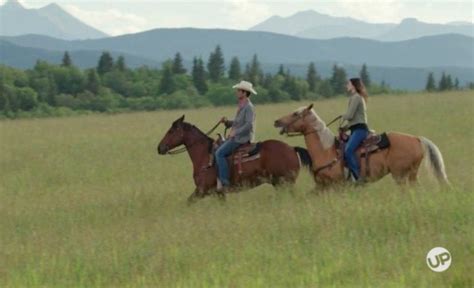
x=183, y=149
x=294, y=134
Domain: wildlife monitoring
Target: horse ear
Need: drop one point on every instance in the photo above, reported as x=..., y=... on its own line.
x=181, y=119
x=310, y=106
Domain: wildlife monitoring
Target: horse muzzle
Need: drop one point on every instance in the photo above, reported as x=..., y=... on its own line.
x=163, y=149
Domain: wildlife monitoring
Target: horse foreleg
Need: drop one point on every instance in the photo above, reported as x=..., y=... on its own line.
x=196, y=195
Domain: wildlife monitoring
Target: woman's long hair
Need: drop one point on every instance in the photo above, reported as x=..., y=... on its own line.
x=360, y=88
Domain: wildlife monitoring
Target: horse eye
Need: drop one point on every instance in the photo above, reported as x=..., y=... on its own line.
x=295, y=114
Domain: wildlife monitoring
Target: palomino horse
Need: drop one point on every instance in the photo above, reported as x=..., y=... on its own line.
x=278, y=163
x=402, y=158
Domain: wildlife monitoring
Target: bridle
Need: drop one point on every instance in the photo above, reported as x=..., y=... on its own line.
x=186, y=147
x=293, y=134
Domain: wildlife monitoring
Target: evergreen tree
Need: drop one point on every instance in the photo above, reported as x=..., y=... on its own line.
x=364, y=76
x=92, y=82
x=430, y=83
x=281, y=70
x=199, y=76
x=255, y=72
x=178, y=67
x=338, y=80
x=67, y=62
x=215, y=66
x=449, y=82
x=106, y=63
x=312, y=77
x=234, y=70
x=121, y=66
x=456, y=83
x=167, y=83
x=443, y=85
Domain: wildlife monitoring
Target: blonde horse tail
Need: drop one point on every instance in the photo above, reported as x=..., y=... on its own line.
x=434, y=159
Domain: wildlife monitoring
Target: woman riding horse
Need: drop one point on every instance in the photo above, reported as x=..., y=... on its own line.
x=356, y=117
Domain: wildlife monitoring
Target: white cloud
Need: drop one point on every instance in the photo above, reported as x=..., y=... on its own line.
x=111, y=21
x=246, y=13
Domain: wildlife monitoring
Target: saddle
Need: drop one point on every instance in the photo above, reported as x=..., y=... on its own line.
x=245, y=153
x=372, y=144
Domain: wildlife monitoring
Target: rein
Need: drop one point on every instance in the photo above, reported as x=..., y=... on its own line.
x=294, y=134
x=181, y=150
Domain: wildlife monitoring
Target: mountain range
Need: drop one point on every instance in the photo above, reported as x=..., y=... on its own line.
x=161, y=44
x=311, y=24
x=50, y=20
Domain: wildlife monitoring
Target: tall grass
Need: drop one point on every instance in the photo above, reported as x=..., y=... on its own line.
x=87, y=202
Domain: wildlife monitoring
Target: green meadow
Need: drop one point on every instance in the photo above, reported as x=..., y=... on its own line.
x=86, y=201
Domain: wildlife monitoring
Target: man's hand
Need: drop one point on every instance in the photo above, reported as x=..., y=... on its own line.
x=223, y=119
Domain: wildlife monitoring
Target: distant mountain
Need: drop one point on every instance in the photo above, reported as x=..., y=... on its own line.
x=161, y=44
x=311, y=24
x=50, y=20
x=397, y=77
x=412, y=28
x=26, y=57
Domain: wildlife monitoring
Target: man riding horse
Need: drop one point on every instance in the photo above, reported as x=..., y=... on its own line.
x=242, y=131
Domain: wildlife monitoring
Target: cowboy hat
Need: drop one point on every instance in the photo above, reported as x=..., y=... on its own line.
x=246, y=86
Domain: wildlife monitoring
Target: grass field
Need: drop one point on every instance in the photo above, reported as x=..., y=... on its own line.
x=87, y=202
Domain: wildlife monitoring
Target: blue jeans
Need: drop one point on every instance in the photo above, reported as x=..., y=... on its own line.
x=357, y=136
x=221, y=155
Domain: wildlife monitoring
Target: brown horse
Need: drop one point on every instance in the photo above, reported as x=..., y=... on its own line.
x=278, y=163
x=402, y=158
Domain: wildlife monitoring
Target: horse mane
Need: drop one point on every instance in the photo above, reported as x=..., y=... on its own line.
x=325, y=134
x=189, y=126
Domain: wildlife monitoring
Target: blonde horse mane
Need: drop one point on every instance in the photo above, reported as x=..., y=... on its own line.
x=325, y=134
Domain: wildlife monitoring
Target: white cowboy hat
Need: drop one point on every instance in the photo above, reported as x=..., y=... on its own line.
x=245, y=85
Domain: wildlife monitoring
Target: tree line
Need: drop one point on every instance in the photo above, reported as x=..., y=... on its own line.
x=445, y=83
x=49, y=89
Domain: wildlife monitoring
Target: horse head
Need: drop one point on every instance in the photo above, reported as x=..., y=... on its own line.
x=295, y=121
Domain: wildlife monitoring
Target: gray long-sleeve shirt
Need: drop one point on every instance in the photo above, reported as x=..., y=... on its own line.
x=244, y=123
x=356, y=111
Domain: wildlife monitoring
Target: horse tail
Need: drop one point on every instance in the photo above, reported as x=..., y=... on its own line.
x=303, y=156
x=434, y=159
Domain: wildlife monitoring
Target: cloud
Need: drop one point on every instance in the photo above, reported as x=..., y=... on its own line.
x=245, y=13
x=111, y=21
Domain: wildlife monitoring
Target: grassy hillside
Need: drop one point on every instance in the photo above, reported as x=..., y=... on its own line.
x=86, y=201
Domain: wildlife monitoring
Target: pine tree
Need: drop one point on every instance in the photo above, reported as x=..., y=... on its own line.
x=456, y=83
x=430, y=83
x=255, y=72
x=312, y=77
x=281, y=70
x=67, y=62
x=234, y=70
x=364, y=76
x=449, y=82
x=338, y=80
x=121, y=66
x=199, y=76
x=216, y=66
x=167, y=83
x=93, y=81
x=178, y=67
x=106, y=63
x=442, y=83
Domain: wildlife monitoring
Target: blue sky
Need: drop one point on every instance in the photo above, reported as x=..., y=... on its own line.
x=125, y=16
